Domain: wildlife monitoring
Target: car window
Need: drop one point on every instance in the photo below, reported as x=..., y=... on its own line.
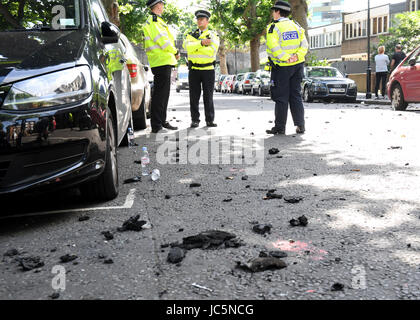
x=43, y=15
x=324, y=72
x=415, y=55
x=100, y=15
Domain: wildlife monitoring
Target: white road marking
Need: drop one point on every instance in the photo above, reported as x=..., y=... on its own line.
x=128, y=204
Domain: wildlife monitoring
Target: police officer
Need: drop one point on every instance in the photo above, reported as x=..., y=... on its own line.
x=202, y=46
x=162, y=56
x=286, y=50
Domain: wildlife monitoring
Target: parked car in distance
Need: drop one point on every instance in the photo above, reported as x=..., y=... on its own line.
x=246, y=86
x=238, y=82
x=64, y=98
x=227, y=84
x=140, y=86
x=219, y=81
x=182, y=79
x=260, y=84
x=327, y=83
x=404, y=83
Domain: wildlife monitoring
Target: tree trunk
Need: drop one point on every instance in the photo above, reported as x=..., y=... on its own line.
x=222, y=55
x=300, y=13
x=255, y=54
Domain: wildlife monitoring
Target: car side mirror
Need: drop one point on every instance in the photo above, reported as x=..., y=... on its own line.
x=110, y=32
x=146, y=68
x=346, y=75
x=412, y=62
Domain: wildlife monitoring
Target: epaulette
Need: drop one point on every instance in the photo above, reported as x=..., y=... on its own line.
x=154, y=17
x=271, y=28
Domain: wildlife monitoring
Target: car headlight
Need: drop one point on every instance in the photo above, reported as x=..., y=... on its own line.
x=57, y=88
x=319, y=85
x=352, y=85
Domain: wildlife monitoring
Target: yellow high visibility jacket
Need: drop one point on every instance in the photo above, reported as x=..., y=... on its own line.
x=284, y=38
x=159, y=43
x=199, y=54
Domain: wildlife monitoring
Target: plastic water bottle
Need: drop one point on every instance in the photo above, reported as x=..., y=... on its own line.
x=131, y=139
x=155, y=174
x=145, y=160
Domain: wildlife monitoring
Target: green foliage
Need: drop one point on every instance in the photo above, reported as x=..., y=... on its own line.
x=241, y=20
x=312, y=60
x=405, y=31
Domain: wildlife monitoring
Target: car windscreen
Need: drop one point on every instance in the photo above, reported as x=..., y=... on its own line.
x=44, y=15
x=324, y=73
x=264, y=75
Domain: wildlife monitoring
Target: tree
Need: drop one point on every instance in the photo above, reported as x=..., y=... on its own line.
x=244, y=21
x=406, y=32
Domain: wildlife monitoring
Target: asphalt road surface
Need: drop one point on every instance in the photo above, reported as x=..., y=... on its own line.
x=356, y=171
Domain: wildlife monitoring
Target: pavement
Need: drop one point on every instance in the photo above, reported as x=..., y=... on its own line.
x=361, y=98
x=356, y=170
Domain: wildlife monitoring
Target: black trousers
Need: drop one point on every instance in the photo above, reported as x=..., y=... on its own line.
x=201, y=79
x=160, y=97
x=285, y=89
x=381, y=77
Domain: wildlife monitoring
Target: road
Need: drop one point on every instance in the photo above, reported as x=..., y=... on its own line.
x=356, y=170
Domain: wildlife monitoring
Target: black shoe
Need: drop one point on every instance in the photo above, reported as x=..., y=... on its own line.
x=195, y=124
x=156, y=130
x=166, y=125
x=300, y=129
x=275, y=130
x=211, y=124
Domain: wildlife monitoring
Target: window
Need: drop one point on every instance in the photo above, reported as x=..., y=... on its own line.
x=374, y=25
x=360, y=28
x=385, y=24
x=347, y=31
x=364, y=28
x=380, y=25
x=413, y=5
x=351, y=31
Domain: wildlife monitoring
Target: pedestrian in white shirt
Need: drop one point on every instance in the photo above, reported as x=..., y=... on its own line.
x=382, y=62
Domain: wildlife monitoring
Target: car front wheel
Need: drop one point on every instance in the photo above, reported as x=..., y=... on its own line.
x=139, y=116
x=306, y=95
x=105, y=187
x=397, y=97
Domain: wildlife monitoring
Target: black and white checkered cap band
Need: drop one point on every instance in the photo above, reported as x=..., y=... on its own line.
x=285, y=8
x=155, y=2
x=200, y=15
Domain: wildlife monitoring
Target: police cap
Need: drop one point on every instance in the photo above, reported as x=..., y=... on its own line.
x=282, y=5
x=151, y=3
x=202, y=13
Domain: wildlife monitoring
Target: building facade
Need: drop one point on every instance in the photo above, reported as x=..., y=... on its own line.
x=325, y=42
x=354, y=28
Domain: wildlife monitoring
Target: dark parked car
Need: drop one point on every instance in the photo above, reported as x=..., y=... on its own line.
x=324, y=83
x=260, y=84
x=64, y=97
x=404, y=82
x=245, y=86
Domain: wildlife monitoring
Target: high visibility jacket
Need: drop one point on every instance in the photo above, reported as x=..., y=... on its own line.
x=199, y=54
x=284, y=38
x=159, y=42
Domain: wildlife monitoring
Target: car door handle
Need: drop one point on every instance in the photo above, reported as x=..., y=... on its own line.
x=123, y=60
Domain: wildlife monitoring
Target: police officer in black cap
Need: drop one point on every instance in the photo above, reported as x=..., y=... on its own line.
x=286, y=50
x=201, y=46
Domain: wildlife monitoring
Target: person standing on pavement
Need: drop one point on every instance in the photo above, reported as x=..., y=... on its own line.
x=202, y=46
x=382, y=62
x=286, y=50
x=162, y=56
x=397, y=57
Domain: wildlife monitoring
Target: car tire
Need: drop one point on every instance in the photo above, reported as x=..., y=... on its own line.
x=397, y=98
x=306, y=95
x=252, y=92
x=139, y=116
x=260, y=93
x=178, y=90
x=105, y=187
x=243, y=91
